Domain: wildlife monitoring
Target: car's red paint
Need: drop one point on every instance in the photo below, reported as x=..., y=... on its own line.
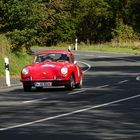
x=55, y=67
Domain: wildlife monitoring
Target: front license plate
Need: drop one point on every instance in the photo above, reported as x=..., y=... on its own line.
x=43, y=84
x=47, y=84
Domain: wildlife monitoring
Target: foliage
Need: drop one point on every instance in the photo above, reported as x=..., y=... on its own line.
x=19, y=20
x=133, y=15
x=49, y=22
x=95, y=25
x=5, y=45
x=17, y=62
x=124, y=32
x=22, y=39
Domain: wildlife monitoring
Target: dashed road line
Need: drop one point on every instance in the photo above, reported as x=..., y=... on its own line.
x=32, y=101
x=124, y=81
x=69, y=113
x=71, y=93
x=102, y=86
x=98, y=87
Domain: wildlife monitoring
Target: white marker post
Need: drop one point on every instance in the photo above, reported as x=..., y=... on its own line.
x=76, y=40
x=69, y=48
x=7, y=72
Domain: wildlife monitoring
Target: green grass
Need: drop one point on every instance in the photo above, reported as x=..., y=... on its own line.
x=108, y=47
x=16, y=64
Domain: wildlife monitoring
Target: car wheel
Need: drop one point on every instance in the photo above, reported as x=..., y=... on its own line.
x=71, y=85
x=79, y=85
x=26, y=87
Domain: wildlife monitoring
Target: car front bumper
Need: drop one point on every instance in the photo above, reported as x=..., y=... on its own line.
x=42, y=83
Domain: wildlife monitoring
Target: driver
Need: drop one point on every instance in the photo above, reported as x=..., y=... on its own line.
x=64, y=57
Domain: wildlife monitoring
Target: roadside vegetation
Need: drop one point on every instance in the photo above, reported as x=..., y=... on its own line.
x=20, y=59
x=102, y=25
x=17, y=61
x=130, y=48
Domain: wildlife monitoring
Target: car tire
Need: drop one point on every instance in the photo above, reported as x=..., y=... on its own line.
x=79, y=85
x=26, y=88
x=71, y=85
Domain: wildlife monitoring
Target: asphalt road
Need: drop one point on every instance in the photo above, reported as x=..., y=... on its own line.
x=106, y=108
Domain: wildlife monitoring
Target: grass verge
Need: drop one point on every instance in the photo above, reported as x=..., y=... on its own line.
x=17, y=62
x=130, y=48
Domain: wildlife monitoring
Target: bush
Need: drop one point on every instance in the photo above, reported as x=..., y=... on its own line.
x=17, y=62
x=22, y=39
x=124, y=33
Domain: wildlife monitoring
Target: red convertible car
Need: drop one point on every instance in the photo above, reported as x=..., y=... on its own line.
x=52, y=68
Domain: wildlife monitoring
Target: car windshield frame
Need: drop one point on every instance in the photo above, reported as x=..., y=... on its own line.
x=52, y=57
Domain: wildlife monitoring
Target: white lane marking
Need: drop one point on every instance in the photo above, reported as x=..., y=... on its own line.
x=84, y=89
x=89, y=66
x=138, y=78
x=71, y=93
x=102, y=86
x=17, y=103
x=33, y=101
x=70, y=113
x=124, y=81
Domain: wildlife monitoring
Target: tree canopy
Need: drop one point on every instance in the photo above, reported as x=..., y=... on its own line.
x=48, y=22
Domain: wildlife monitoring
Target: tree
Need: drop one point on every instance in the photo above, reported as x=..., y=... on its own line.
x=19, y=21
x=96, y=22
x=59, y=25
x=134, y=14
x=123, y=11
x=48, y=22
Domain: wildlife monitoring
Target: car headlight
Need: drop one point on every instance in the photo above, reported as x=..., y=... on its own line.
x=64, y=70
x=25, y=71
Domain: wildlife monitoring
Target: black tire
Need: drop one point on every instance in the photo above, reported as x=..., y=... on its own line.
x=79, y=85
x=71, y=85
x=26, y=88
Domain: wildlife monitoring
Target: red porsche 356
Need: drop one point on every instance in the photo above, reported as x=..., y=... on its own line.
x=52, y=68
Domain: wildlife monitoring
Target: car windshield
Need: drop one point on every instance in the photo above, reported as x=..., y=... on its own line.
x=51, y=57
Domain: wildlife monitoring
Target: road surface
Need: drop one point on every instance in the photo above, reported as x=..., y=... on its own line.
x=106, y=108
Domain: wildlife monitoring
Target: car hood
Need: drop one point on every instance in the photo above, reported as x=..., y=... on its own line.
x=46, y=70
x=53, y=65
